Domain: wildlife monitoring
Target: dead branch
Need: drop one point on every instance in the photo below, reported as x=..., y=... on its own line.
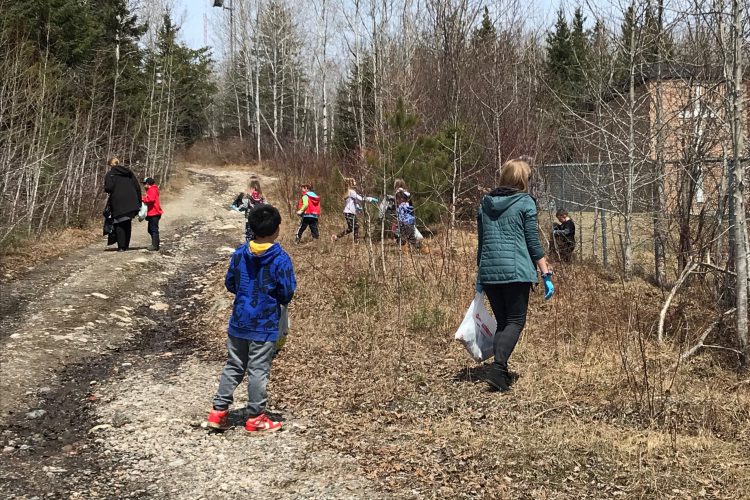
x=689, y=352
x=683, y=276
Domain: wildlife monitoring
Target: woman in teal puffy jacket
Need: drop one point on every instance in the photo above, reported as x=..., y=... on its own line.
x=508, y=255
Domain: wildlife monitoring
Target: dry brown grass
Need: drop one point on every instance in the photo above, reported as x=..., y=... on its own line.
x=596, y=413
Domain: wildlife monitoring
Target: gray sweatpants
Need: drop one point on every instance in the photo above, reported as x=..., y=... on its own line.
x=255, y=359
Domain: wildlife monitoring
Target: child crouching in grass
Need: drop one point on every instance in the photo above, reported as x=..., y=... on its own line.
x=262, y=278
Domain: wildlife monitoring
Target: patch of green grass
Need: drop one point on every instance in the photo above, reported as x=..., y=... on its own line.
x=426, y=319
x=362, y=295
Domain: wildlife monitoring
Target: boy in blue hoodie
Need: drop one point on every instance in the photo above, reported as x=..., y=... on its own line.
x=261, y=277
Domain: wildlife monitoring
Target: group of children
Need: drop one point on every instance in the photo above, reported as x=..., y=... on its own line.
x=400, y=204
x=308, y=210
x=261, y=277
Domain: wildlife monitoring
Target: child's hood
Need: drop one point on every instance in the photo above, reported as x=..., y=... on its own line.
x=312, y=195
x=265, y=257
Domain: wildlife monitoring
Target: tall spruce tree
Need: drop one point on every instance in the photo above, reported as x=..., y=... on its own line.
x=560, y=58
x=486, y=34
x=581, y=48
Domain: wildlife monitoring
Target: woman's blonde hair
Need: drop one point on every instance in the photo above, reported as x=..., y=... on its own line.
x=399, y=184
x=516, y=174
x=113, y=162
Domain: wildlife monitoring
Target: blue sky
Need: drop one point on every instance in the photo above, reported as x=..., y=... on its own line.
x=191, y=13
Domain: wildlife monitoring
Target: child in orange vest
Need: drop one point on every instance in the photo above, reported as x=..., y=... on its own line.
x=308, y=209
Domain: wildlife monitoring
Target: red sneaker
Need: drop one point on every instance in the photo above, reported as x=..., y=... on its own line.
x=219, y=419
x=261, y=423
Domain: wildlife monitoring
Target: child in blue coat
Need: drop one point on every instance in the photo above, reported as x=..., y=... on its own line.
x=406, y=220
x=261, y=277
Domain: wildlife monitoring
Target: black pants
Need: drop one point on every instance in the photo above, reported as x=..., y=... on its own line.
x=153, y=230
x=406, y=234
x=312, y=223
x=122, y=233
x=564, y=248
x=352, y=226
x=509, y=302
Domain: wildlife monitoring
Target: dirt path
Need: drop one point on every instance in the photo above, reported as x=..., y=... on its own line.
x=105, y=375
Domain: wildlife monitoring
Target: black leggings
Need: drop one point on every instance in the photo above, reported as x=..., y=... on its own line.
x=509, y=302
x=352, y=226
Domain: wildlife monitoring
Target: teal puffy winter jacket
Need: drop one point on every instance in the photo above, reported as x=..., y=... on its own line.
x=508, y=238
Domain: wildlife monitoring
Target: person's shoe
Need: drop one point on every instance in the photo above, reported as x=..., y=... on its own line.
x=152, y=248
x=261, y=423
x=498, y=379
x=219, y=419
x=120, y=249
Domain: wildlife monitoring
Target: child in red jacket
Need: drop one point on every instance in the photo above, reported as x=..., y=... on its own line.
x=308, y=210
x=151, y=199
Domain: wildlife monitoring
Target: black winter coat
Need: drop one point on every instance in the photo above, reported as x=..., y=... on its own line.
x=124, y=192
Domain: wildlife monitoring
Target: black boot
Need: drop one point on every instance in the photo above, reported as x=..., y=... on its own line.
x=498, y=379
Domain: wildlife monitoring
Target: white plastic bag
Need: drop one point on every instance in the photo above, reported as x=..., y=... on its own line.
x=477, y=331
x=283, y=328
x=142, y=212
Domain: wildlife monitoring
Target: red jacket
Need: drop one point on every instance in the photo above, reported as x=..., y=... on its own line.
x=151, y=199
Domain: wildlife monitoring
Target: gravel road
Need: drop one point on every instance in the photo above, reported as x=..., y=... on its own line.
x=106, y=376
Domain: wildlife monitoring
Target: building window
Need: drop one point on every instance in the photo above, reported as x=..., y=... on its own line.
x=700, y=194
x=695, y=107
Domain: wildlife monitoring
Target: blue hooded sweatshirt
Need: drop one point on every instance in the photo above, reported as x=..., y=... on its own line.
x=406, y=214
x=262, y=283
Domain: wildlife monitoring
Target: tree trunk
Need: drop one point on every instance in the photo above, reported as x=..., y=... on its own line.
x=627, y=244
x=660, y=202
x=735, y=92
x=257, y=86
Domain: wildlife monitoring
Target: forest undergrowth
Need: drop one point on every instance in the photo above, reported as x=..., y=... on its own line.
x=598, y=410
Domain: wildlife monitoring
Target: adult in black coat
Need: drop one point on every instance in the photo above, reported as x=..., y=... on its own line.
x=124, y=200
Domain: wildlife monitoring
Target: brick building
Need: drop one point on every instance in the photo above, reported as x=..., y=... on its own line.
x=696, y=145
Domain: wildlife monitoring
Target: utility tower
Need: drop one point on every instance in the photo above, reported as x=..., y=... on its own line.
x=230, y=8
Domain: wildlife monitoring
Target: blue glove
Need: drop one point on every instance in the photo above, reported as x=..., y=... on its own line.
x=478, y=287
x=372, y=199
x=549, y=288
